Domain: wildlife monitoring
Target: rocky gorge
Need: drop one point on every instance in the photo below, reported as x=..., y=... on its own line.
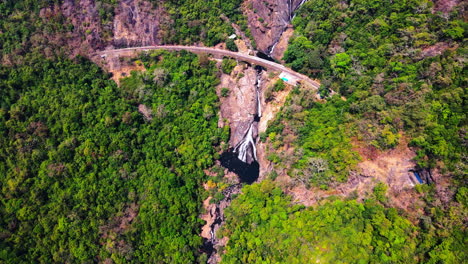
x=141, y=23
x=270, y=24
x=247, y=112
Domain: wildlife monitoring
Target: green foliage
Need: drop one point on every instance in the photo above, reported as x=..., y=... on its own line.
x=30, y=27
x=443, y=237
x=199, y=20
x=455, y=30
x=399, y=65
x=24, y=28
x=84, y=176
x=324, y=135
x=279, y=85
x=380, y=191
x=264, y=227
x=462, y=196
x=225, y=92
x=270, y=91
x=303, y=56
x=323, y=147
x=388, y=138
x=228, y=65
x=340, y=62
x=231, y=45
x=393, y=62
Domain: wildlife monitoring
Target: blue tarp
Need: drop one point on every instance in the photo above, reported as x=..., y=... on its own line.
x=418, y=177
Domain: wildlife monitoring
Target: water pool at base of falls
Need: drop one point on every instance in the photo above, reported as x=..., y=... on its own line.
x=248, y=173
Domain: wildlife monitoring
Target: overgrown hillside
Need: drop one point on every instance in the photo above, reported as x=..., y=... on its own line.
x=90, y=171
x=401, y=67
x=263, y=225
x=58, y=28
x=392, y=73
x=95, y=172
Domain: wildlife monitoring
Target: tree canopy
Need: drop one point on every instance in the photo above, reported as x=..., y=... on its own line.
x=263, y=226
x=87, y=176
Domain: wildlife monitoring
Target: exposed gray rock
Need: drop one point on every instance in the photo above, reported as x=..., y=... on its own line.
x=268, y=19
x=240, y=106
x=136, y=24
x=133, y=23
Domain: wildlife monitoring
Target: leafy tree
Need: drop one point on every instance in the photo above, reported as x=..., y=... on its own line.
x=85, y=178
x=231, y=45
x=263, y=226
x=224, y=92
x=228, y=65
x=398, y=65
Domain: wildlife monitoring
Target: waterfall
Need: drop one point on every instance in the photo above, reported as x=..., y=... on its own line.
x=273, y=47
x=292, y=14
x=247, y=145
x=299, y=6
x=246, y=149
x=302, y=2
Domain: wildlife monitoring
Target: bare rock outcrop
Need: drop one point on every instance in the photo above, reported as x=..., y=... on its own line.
x=136, y=23
x=282, y=44
x=214, y=218
x=445, y=6
x=88, y=32
x=98, y=25
x=268, y=19
x=240, y=106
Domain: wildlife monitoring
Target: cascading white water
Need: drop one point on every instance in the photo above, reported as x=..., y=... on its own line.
x=247, y=144
x=273, y=47
x=299, y=6
x=292, y=15
x=246, y=149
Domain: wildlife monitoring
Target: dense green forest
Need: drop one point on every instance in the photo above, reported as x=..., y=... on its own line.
x=388, y=70
x=90, y=171
x=263, y=226
x=399, y=65
x=95, y=172
x=24, y=30
x=325, y=156
x=19, y=22
x=204, y=21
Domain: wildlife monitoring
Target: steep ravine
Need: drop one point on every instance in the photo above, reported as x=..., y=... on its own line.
x=268, y=20
x=215, y=218
x=243, y=109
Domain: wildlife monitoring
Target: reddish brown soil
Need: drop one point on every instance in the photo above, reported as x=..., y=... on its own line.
x=436, y=49
x=390, y=167
x=445, y=6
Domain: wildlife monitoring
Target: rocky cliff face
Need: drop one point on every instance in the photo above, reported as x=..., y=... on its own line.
x=96, y=25
x=137, y=23
x=240, y=107
x=88, y=32
x=268, y=19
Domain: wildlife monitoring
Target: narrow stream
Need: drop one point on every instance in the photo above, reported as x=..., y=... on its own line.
x=210, y=245
x=293, y=14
